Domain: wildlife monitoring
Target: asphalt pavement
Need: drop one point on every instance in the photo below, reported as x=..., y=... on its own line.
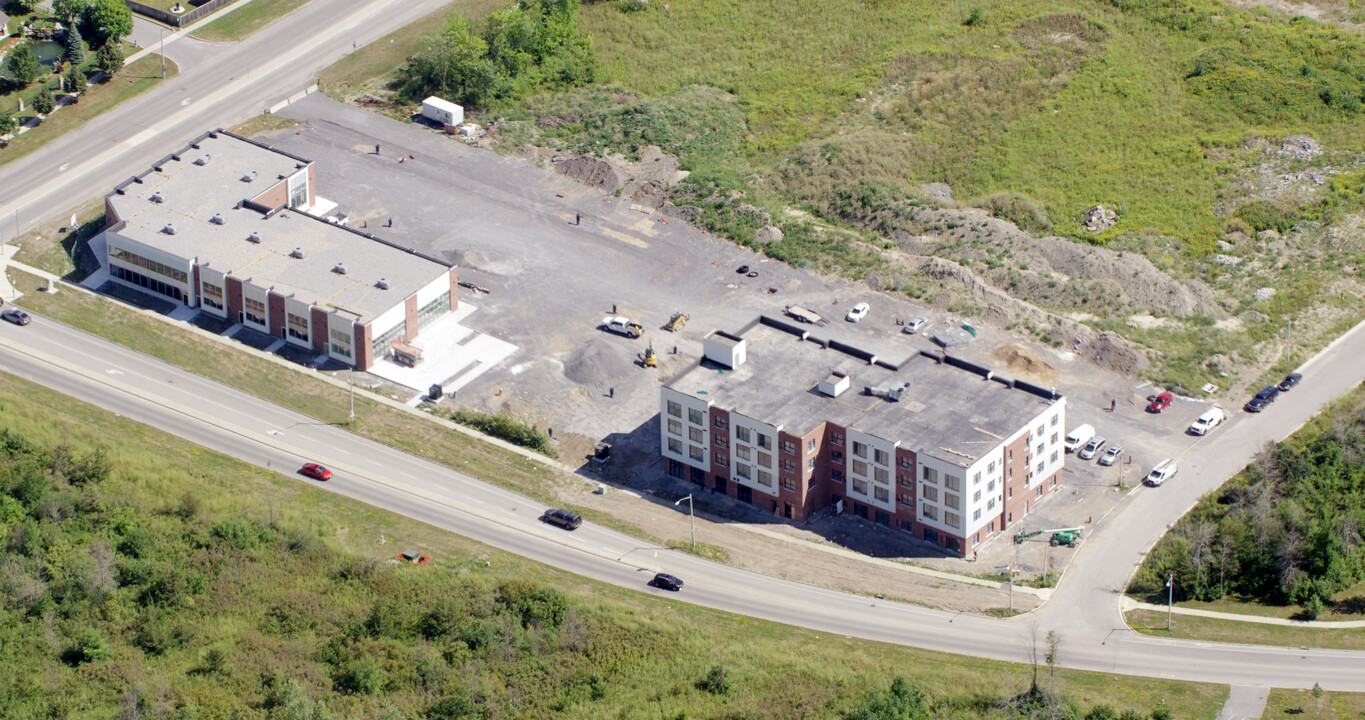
x=1084, y=611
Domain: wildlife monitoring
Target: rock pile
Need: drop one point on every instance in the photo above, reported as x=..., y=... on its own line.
x=1099, y=219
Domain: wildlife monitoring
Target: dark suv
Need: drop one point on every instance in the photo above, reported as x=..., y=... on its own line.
x=1263, y=398
x=563, y=518
x=1290, y=381
x=664, y=581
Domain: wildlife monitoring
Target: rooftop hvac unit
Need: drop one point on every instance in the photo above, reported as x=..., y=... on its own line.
x=203, y=159
x=157, y=198
x=249, y=176
x=254, y=238
x=169, y=229
x=340, y=269
x=217, y=219
x=382, y=284
x=298, y=253
x=892, y=393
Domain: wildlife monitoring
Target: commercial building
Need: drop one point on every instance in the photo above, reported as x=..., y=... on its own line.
x=937, y=447
x=225, y=225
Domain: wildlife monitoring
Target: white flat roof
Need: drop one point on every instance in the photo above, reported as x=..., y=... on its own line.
x=443, y=104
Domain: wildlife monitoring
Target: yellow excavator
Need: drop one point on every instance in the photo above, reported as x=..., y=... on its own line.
x=651, y=360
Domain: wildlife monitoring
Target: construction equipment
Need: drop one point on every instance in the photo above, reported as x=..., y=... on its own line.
x=801, y=314
x=623, y=326
x=1060, y=536
x=601, y=455
x=406, y=354
x=676, y=322
x=651, y=360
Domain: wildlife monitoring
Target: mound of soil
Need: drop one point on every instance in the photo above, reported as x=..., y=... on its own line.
x=591, y=171
x=599, y=363
x=1022, y=361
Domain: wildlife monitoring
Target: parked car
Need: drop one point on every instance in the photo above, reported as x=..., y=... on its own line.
x=1111, y=455
x=1263, y=398
x=563, y=518
x=1160, y=402
x=915, y=325
x=16, y=316
x=316, y=471
x=664, y=581
x=1290, y=381
x=1078, y=437
x=858, y=312
x=1092, y=447
x=1206, y=422
x=1164, y=470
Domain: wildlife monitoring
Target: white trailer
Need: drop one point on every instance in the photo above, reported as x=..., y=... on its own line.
x=442, y=111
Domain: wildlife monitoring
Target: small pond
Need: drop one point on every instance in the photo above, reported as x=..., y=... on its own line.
x=49, y=53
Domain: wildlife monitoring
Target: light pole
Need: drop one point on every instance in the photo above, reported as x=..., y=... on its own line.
x=691, y=519
x=350, y=380
x=1170, y=596
x=163, y=53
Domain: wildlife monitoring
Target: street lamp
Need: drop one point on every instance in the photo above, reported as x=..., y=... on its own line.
x=691, y=519
x=1170, y=595
x=350, y=380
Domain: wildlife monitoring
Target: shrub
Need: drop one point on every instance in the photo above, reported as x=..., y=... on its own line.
x=976, y=18
x=1264, y=215
x=359, y=676
x=507, y=428
x=76, y=82
x=1022, y=210
x=902, y=701
x=534, y=603
x=44, y=102
x=239, y=533
x=89, y=645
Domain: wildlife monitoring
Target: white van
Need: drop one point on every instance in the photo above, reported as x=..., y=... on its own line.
x=1078, y=437
x=1164, y=470
x=1207, y=421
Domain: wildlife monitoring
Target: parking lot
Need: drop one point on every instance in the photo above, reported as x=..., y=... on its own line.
x=510, y=226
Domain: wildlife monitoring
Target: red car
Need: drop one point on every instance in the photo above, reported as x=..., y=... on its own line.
x=1160, y=402
x=316, y=471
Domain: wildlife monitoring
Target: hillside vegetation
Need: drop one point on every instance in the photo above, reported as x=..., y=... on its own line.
x=1287, y=530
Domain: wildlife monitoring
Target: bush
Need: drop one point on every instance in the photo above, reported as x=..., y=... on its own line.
x=88, y=646
x=1264, y=215
x=902, y=701
x=44, y=102
x=977, y=17
x=507, y=428
x=76, y=81
x=239, y=533
x=716, y=682
x=535, y=604
x=359, y=676
x=1022, y=210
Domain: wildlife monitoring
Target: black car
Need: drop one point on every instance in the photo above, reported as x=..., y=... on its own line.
x=1255, y=405
x=18, y=317
x=563, y=518
x=1269, y=393
x=1290, y=381
x=664, y=581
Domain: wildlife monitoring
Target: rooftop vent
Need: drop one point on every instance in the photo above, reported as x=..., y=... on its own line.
x=157, y=198
x=249, y=176
x=382, y=284
x=340, y=269
x=203, y=159
x=892, y=393
x=217, y=219
x=169, y=229
x=254, y=238
x=298, y=253
x=834, y=385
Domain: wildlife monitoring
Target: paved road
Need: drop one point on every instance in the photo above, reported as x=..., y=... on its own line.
x=247, y=427
x=232, y=83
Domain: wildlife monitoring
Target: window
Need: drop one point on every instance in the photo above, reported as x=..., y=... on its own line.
x=1010, y=474
x=1039, y=432
x=742, y=470
x=1038, y=491
x=976, y=538
x=696, y=417
x=810, y=463
x=976, y=479
x=695, y=435
x=880, y=457
x=1040, y=449
x=674, y=427
x=254, y=311
x=1011, y=492
x=990, y=486
x=1054, y=420
x=907, y=526
x=211, y=295
x=788, y=447
x=952, y=519
x=765, y=478
x=433, y=311
x=990, y=503
x=837, y=439
x=905, y=462
x=1053, y=481
x=930, y=494
x=382, y=343
x=859, y=467
x=859, y=449
x=991, y=528
x=1054, y=456
x=789, y=484
x=674, y=409
x=931, y=475
x=675, y=446
x=928, y=511
x=147, y=283
x=977, y=497
x=990, y=469
x=976, y=515
x=152, y=266
x=836, y=475
x=720, y=423
x=881, y=494
x=1053, y=441
x=859, y=486
x=298, y=189
x=743, y=435
x=1009, y=455
x=788, y=466
x=722, y=461
x=765, y=442
x=695, y=453
x=722, y=442
x=836, y=456
x=881, y=476
x=952, y=482
x=810, y=445
x=905, y=499
x=952, y=501
x=743, y=452
x=905, y=480
x=765, y=459
x=1040, y=466
x=341, y=342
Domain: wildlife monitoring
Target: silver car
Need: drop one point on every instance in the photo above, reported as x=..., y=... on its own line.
x=1111, y=455
x=914, y=325
x=1095, y=445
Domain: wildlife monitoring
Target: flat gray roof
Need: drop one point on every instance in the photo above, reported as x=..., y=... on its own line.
x=948, y=412
x=192, y=194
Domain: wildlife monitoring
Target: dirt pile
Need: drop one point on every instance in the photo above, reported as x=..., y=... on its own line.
x=591, y=171
x=1022, y=362
x=598, y=364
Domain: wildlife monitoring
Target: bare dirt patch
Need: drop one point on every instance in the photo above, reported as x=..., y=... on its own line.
x=1022, y=361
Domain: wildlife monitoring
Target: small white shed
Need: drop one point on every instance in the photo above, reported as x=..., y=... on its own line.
x=442, y=111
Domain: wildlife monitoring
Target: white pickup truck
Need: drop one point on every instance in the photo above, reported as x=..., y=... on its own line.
x=623, y=326
x=1206, y=422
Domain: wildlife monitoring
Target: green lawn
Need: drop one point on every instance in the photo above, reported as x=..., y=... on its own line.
x=232, y=582
x=1301, y=704
x=129, y=82
x=247, y=19
x=1150, y=622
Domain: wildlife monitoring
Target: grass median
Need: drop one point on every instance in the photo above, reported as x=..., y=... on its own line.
x=1194, y=627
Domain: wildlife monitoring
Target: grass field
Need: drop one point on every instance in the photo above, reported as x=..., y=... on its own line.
x=247, y=19
x=287, y=602
x=129, y=82
x=1150, y=622
x=1302, y=705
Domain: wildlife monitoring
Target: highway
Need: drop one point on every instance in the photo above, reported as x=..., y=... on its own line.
x=220, y=85
x=1084, y=611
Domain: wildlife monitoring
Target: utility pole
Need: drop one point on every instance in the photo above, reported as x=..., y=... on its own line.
x=691, y=519
x=350, y=379
x=163, y=53
x=1170, y=596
